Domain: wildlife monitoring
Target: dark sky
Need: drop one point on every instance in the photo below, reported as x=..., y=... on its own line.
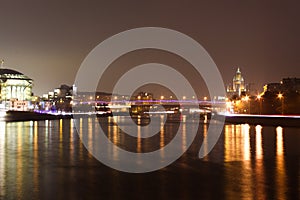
x=48, y=40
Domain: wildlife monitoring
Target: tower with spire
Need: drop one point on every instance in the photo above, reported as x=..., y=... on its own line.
x=2, y=64
x=238, y=84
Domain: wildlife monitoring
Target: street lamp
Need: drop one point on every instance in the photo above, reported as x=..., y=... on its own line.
x=280, y=97
x=259, y=99
x=247, y=100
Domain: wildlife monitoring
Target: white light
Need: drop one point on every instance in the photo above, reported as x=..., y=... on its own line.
x=2, y=114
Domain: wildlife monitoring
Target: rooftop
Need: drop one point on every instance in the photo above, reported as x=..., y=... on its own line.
x=12, y=74
x=4, y=71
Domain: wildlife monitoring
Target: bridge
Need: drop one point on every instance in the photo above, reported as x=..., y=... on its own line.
x=170, y=106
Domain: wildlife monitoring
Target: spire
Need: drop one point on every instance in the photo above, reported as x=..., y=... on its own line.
x=2, y=64
x=238, y=70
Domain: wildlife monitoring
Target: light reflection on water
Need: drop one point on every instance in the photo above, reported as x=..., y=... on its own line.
x=259, y=170
x=280, y=166
x=38, y=159
x=2, y=156
x=244, y=145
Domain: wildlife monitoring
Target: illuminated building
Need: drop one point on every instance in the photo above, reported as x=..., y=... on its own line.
x=15, y=89
x=143, y=97
x=141, y=103
x=238, y=84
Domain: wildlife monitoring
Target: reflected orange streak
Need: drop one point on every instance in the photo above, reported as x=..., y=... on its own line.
x=139, y=139
x=280, y=172
x=2, y=157
x=19, y=166
x=35, y=156
x=259, y=168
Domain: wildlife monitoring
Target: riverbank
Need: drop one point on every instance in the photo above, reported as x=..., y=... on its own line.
x=14, y=116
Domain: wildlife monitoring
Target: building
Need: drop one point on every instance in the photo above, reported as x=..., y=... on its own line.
x=285, y=86
x=143, y=97
x=291, y=84
x=282, y=97
x=273, y=87
x=60, y=99
x=15, y=89
x=238, y=85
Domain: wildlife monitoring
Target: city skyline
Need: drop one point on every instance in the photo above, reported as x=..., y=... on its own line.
x=149, y=99
x=48, y=41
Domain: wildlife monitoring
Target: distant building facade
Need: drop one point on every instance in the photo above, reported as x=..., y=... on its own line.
x=15, y=89
x=238, y=85
x=286, y=85
x=142, y=98
x=282, y=97
x=60, y=99
x=141, y=103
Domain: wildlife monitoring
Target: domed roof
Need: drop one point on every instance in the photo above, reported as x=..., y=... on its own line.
x=12, y=74
x=9, y=71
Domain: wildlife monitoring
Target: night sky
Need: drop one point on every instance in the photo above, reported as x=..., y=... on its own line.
x=48, y=41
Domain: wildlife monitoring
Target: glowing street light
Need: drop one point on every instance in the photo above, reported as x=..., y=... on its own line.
x=246, y=99
x=259, y=99
x=280, y=97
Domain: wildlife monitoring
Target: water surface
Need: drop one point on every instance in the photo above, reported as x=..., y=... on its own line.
x=46, y=160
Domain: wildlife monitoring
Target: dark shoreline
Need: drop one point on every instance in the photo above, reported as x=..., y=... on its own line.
x=264, y=120
x=14, y=116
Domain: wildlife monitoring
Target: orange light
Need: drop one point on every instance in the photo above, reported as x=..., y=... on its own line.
x=258, y=97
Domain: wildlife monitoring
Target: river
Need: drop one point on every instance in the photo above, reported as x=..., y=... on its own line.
x=47, y=160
